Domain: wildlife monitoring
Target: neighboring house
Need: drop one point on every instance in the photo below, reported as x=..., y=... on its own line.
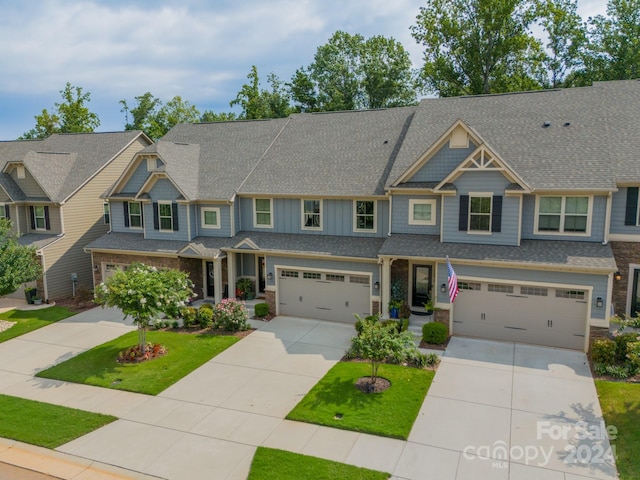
x=50, y=189
x=533, y=197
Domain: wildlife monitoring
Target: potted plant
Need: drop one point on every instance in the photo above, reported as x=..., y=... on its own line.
x=246, y=288
x=430, y=307
x=30, y=294
x=394, y=308
x=37, y=301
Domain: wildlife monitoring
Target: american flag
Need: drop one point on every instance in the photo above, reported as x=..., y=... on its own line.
x=453, y=282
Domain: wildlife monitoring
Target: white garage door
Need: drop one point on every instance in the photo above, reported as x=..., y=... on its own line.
x=555, y=317
x=325, y=296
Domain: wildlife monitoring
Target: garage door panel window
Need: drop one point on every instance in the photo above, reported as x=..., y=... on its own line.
x=500, y=288
x=574, y=294
x=359, y=279
x=563, y=214
x=311, y=275
x=469, y=286
x=534, y=291
x=289, y=274
x=335, y=278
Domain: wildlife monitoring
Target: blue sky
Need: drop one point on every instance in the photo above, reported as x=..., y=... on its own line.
x=199, y=49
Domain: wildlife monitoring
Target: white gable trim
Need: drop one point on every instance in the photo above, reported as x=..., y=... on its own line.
x=247, y=242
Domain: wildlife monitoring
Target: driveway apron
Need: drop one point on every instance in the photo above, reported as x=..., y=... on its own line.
x=509, y=411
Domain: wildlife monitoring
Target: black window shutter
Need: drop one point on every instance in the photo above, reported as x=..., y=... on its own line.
x=631, y=213
x=47, y=223
x=33, y=217
x=463, y=219
x=174, y=214
x=496, y=214
x=7, y=212
x=125, y=205
x=156, y=216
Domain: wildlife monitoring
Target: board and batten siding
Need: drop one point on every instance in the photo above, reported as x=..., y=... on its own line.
x=83, y=223
x=522, y=276
x=482, y=182
x=337, y=217
x=400, y=215
x=598, y=216
x=618, y=214
x=442, y=163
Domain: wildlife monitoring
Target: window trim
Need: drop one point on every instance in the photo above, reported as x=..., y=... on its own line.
x=2, y=210
x=256, y=212
x=43, y=217
x=136, y=215
x=473, y=195
x=106, y=213
x=561, y=232
x=160, y=216
x=204, y=210
x=375, y=217
x=303, y=214
x=422, y=201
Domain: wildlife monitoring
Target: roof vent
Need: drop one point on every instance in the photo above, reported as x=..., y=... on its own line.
x=546, y=124
x=386, y=141
x=566, y=124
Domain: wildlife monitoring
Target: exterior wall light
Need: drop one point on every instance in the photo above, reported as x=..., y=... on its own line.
x=443, y=288
x=269, y=276
x=376, y=286
x=599, y=302
x=617, y=276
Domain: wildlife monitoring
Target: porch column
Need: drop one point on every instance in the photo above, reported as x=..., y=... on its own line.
x=231, y=273
x=218, y=285
x=385, y=288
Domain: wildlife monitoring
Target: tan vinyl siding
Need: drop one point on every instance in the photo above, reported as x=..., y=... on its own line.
x=55, y=222
x=83, y=223
x=28, y=184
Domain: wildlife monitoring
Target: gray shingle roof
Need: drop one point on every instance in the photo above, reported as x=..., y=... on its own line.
x=37, y=240
x=583, y=255
x=135, y=242
x=14, y=151
x=336, y=153
x=602, y=135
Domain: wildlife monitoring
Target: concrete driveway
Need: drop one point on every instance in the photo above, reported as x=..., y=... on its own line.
x=509, y=411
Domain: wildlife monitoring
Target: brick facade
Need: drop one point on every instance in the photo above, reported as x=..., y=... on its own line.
x=624, y=253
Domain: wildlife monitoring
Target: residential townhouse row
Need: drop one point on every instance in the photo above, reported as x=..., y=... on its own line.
x=533, y=197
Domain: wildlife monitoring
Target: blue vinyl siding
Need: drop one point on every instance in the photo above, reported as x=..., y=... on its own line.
x=505, y=275
x=337, y=217
x=618, y=210
x=137, y=179
x=224, y=221
x=246, y=265
x=364, y=268
x=194, y=220
x=164, y=190
x=400, y=215
x=442, y=163
x=597, y=221
x=482, y=182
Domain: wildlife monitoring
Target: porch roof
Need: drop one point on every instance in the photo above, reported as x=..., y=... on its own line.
x=535, y=253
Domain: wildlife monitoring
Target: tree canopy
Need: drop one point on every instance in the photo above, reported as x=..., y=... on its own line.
x=18, y=264
x=70, y=116
x=257, y=103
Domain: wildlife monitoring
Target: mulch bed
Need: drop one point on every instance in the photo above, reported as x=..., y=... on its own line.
x=364, y=384
x=433, y=346
x=77, y=304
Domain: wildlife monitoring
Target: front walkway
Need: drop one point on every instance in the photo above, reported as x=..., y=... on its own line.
x=208, y=425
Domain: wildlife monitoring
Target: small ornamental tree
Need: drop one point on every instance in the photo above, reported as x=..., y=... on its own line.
x=18, y=263
x=144, y=292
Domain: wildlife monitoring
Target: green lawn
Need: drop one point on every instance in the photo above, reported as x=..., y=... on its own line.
x=390, y=413
x=29, y=320
x=44, y=424
x=98, y=366
x=272, y=464
x=620, y=404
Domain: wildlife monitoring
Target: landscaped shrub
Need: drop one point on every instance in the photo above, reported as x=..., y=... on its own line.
x=622, y=342
x=404, y=324
x=431, y=359
x=435, y=333
x=603, y=350
x=392, y=325
x=230, y=314
x=619, y=371
x=188, y=315
x=361, y=321
x=175, y=324
x=204, y=317
x=633, y=355
x=261, y=309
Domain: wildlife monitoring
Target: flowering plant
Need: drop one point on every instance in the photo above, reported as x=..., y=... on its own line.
x=230, y=314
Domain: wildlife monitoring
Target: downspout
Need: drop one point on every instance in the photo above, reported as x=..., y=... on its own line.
x=607, y=219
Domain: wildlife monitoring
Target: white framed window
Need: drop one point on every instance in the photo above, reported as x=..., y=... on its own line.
x=106, y=213
x=364, y=212
x=422, y=212
x=563, y=215
x=210, y=217
x=311, y=214
x=2, y=210
x=165, y=216
x=480, y=212
x=135, y=215
x=262, y=217
x=39, y=217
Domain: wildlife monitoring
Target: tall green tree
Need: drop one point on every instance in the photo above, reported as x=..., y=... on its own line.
x=614, y=43
x=478, y=46
x=18, y=263
x=350, y=72
x=155, y=119
x=142, y=114
x=258, y=103
x=211, y=116
x=69, y=116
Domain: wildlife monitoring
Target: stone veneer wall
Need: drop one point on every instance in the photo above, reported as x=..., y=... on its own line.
x=624, y=253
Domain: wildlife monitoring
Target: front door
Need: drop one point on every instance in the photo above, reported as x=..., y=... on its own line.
x=210, y=274
x=635, y=294
x=421, y=291
x=261, y=278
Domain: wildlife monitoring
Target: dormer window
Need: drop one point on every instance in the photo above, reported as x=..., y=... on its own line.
x=152, y=164
x=20, y=171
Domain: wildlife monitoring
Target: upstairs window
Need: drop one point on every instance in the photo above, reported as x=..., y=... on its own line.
x=3, y=210
x=106, y=216
x=262, y=211
x=210, y=217
x=39, y=217
x=479, y=213
x=365, y=219
x=559, y=214
x=165, y=216
x=311, y=214
x=422, y=212
x=133, y=214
